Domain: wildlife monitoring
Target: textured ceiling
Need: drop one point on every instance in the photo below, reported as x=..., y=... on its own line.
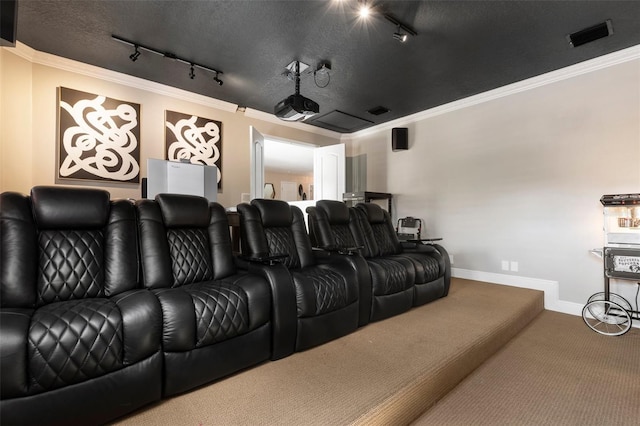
x=462, y=47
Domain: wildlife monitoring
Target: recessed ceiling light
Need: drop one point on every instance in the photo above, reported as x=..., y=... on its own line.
x=364, y=11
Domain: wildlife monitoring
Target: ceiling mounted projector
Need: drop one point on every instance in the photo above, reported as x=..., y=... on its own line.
x=296, y=107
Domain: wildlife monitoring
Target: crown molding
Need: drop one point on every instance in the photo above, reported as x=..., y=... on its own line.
x=47, y=59
x=605, y=61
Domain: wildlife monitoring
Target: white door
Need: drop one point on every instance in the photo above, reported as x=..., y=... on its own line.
x=256, y=149
x=288, y=191
x=329, y=172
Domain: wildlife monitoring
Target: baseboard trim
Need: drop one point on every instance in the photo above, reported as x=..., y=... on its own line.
x=550, y=288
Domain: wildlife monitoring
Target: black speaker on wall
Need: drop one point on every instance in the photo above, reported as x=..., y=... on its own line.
x=8, y=21
x=399, y=138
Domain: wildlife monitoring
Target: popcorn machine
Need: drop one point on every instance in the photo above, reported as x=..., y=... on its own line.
x=606, y=312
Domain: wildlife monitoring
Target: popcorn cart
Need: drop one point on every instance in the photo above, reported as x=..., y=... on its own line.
x=606, y=312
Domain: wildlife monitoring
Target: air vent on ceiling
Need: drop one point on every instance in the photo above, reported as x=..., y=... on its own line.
x=379, y=110
x=590, y=34
x=341, y=122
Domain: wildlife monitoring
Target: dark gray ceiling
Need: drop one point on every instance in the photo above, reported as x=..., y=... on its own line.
x=462, y=47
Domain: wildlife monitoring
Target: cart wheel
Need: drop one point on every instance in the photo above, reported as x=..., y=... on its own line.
x=606, y=317
x=615, y=298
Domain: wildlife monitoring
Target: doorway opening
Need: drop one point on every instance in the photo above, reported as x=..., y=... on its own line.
x=288, y=166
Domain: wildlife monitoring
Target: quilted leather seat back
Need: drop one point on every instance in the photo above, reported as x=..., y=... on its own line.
x=274, y=227
x=176, y=233
x=186, y=220
x=382, y=230
x=73, y=230
x=334, y=224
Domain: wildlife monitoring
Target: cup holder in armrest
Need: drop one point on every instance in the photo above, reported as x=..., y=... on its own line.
x=343, y=250
x=265, y=259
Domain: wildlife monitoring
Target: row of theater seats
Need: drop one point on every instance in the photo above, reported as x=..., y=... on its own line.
x=108, y=305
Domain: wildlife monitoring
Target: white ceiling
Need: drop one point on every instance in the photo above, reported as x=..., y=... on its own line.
x=287, y=157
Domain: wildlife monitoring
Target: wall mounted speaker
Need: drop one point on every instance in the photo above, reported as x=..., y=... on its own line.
x=399, y=138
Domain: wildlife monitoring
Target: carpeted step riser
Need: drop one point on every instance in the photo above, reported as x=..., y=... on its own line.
x=407, y=405
x=387, y=372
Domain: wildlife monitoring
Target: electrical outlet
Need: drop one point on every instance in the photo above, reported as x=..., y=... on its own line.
x=505, y=265
x=514, y=266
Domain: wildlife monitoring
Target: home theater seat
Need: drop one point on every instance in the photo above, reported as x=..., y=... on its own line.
x=333, y=224
x=430, y=261
x=326, y=286
x=216, y=320
x=80, y=340
x=109, y=305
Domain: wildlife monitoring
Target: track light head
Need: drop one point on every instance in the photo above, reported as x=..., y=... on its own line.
x=134, y=56
x=217, y=80
x=192, y=74
x=400, y=37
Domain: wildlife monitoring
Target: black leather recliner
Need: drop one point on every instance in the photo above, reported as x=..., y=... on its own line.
x=431, y=261
x=325, y=286
x=79, y=342
x=216, y=320
x=333, y=224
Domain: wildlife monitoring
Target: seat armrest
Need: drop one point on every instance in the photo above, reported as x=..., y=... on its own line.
x=422, y=241
x=142, y=324
x=14, y=334
x=447, y=266
x=284, y=315
x=264, y=259
x=343, y=250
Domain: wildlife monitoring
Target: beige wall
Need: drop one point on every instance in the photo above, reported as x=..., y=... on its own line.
x=519, y=178
x=29, y=102
x=16, y=158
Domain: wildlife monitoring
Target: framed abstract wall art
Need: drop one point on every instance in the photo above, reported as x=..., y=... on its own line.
x=98, y=137
x=194, y=139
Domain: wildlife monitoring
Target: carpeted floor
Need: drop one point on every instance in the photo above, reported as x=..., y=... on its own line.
x=388, y=372
x=556, y=372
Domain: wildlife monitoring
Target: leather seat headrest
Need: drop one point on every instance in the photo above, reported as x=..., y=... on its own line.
x=180, y=210
x=374, y=212
x=337, y=212
x=273, y=212
x=56, y=207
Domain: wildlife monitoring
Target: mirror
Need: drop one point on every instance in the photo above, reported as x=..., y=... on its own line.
x=269, y=190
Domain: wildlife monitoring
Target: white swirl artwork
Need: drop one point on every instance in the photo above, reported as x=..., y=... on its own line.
x=193, y=138
x=98, y=137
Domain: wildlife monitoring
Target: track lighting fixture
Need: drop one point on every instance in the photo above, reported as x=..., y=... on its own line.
x=134, y=56
x=403, y=31
x=192, y=65
x=398, y=35
x=366, y=10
